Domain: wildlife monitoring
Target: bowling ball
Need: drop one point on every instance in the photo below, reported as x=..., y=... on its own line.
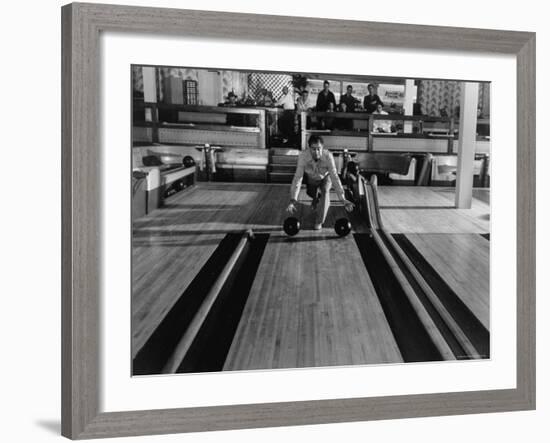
x=342, y=227
x=188, y=161
x=291, y=226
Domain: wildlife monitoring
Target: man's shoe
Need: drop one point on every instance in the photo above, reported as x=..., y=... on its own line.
x=317, y=226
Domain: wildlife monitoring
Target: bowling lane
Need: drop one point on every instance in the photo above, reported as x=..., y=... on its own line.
x=462, y=261
x=172, y=244
x=431, y=210
x=312, y=303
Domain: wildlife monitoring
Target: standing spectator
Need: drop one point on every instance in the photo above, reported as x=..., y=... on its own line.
x=286, y=122
x=348, y=102
x=325, y=100
x=372, y=100
x=286, y=100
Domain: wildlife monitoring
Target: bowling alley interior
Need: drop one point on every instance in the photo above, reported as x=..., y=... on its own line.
x=305, y=220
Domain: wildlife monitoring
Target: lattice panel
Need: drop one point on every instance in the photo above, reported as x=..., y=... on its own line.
x=273, y=83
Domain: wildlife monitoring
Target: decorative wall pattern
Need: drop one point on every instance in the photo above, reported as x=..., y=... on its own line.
x=439, y=98
x=233, y=81
x=485, y=99
x=137, y=80
x=442, y=98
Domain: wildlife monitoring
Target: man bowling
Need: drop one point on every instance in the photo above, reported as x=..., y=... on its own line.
x=318, y=165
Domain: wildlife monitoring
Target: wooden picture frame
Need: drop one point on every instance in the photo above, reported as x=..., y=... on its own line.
x=81, y=26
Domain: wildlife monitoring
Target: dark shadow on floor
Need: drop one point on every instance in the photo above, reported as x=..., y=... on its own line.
x=298, y=239
x=417, y=207
x=53, y=426
x=155, y=234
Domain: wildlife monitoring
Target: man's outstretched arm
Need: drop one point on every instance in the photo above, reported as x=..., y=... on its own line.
x=297, y=180
x=295, y=186
x=338, y=185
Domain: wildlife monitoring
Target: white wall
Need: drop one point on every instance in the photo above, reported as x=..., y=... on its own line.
x=30, y=221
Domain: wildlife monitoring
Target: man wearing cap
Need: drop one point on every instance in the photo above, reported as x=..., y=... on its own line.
x=231, y=99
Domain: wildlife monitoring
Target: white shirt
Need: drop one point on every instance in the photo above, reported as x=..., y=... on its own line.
x=286, y=101
x=303, y=106
x=383, y=125
x=317, y=171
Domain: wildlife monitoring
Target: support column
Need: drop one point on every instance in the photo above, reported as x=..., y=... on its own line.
x=410, y=94
x=149, y=89
x=466, y=145
x=149, y=84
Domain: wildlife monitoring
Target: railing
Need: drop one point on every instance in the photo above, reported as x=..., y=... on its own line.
x=248, y=122
x=455, y=337
x=369, y=126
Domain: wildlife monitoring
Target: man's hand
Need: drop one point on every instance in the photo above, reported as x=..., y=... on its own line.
x=349, y=206
x=291, y=208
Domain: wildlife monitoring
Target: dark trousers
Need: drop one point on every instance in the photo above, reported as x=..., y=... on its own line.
x=320, y=190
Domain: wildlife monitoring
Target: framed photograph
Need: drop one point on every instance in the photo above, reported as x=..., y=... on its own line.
x=275, y=221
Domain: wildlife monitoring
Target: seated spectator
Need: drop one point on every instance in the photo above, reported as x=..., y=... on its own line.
x=303, y=103
x=381, y=125
x=265, y=98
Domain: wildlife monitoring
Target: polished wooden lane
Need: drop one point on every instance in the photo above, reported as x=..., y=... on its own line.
x=312, y=304
x=431, y=210
x=463, y=262
x=173, y=243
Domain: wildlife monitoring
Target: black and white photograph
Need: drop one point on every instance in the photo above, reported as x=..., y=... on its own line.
x=285, y=220
x=275, y=221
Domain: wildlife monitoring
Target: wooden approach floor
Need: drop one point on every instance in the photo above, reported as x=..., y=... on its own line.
x=312, y=302
x=407, y=209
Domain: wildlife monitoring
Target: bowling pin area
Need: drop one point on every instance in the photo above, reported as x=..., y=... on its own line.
x=217, y=284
